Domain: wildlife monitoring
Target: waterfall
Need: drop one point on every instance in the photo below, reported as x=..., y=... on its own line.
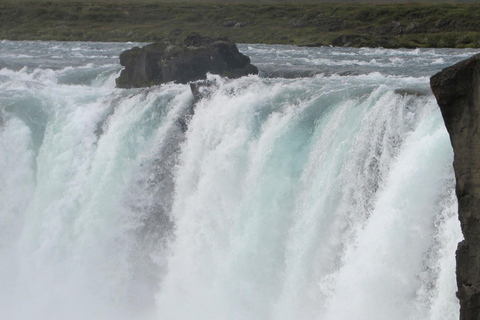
x=328, y=197
x=312, y=202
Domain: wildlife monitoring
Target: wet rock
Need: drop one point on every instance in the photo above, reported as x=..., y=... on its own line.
x=457, y=90
x=190, y=60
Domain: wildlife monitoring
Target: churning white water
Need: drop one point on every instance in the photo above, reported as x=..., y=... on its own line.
x=321, y=189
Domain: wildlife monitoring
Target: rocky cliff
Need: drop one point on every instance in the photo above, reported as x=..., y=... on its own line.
x=182, y=62
x=457, y=90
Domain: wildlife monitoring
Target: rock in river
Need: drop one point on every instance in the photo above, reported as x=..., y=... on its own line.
x=182, y=62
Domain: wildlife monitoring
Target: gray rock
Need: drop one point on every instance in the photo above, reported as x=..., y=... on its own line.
x=191, y=60
x=457, y=90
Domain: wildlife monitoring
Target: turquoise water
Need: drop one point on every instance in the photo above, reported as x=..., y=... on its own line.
x=321, y=189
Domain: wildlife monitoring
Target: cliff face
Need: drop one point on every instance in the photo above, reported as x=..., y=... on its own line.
x=457, y=90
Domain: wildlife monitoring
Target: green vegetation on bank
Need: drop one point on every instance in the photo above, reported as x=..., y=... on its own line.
x=386, y=25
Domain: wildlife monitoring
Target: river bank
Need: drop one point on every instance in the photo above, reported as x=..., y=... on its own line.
x=355, y=25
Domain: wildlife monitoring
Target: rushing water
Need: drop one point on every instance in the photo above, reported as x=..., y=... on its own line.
x=321, y=189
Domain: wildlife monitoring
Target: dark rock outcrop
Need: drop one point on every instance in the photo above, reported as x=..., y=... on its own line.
x=457, y=90
x=190, y=60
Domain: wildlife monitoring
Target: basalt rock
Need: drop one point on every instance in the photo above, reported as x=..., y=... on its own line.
x=190, y=60
x=457, y=90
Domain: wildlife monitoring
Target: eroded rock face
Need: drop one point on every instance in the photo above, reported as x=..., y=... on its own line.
x=183, y=62
x=457, y=90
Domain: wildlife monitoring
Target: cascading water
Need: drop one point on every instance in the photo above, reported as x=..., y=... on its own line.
x=277, y=197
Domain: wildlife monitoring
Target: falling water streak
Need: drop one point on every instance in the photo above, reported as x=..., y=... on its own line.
x=247, y=238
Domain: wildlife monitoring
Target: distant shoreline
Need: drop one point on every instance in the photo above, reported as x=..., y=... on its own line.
x=354, y=25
